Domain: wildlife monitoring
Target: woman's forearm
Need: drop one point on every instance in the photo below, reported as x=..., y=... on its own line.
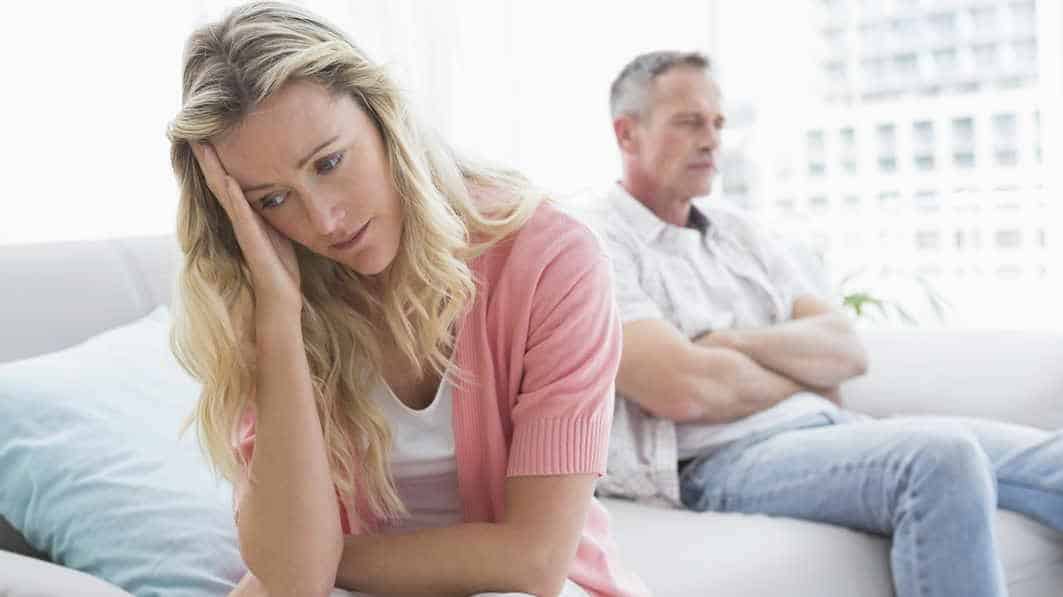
x=459, y=560
x=289, y=526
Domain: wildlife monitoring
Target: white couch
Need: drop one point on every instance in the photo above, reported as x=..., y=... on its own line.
x=55, y=295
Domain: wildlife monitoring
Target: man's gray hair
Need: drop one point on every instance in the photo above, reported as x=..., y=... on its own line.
x=628, y=93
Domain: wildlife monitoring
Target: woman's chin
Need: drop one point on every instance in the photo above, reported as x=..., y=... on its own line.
x=370, y=265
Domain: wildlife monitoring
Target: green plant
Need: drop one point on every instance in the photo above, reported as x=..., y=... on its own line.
x=877, y=307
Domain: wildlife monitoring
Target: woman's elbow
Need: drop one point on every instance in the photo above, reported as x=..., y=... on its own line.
x=286, y=573
x=545, y=573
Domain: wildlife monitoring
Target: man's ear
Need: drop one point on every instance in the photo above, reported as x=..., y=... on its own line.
x=625, y=128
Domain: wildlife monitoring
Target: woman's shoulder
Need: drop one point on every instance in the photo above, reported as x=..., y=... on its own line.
x=553, y=231
x=548, y=257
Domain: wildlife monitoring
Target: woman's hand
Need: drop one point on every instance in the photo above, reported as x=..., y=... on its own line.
x=269, y=254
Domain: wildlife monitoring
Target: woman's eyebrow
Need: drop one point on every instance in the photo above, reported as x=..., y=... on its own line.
x=299, y=166
x=303, y=161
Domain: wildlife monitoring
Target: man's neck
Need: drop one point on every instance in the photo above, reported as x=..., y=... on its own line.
x=670, y=209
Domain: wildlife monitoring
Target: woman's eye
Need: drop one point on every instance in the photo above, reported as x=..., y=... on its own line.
x=271, y=201
x=328, y=164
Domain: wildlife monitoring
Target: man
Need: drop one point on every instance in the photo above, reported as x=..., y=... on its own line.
x=728, y=386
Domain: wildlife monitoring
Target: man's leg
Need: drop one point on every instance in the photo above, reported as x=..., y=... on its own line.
x=1028, y=464
x=925, y=482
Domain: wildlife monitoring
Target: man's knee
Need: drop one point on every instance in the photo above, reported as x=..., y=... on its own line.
x=950, y=461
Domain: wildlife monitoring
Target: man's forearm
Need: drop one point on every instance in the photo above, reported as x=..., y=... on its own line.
x=727, y=385
x=819, y=352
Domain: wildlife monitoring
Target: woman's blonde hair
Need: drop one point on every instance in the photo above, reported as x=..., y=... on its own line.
x=230, y=67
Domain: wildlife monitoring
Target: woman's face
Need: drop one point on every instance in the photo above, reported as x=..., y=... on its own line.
x=314, y=165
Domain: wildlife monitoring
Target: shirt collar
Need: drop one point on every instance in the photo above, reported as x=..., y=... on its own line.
x=646, y=223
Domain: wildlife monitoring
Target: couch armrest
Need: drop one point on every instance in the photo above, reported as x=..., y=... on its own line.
x=1010, y=376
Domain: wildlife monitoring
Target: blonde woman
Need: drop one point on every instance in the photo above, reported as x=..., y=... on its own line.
x=407, y=358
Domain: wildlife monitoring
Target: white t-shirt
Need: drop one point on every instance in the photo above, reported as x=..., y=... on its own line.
x=423, y=460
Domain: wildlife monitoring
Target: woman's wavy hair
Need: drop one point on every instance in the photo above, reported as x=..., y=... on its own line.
x=453, y=209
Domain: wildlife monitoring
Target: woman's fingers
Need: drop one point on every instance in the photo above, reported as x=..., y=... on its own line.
x=231, y=197
x=269, y=254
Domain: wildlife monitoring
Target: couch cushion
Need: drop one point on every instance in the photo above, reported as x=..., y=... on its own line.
x=681, y=553
x=1008, y=376
x=93, y=474
x=74, y=290
x=27, y=577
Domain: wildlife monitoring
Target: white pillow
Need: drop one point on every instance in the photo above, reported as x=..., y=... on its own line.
x=93, y=474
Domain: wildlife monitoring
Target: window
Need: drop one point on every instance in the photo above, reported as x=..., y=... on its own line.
x=836, y=71
x=928, y=240
x=906, y=66
x=923, y=143
x=963, y=142
x=927, y=200
x=1023, y=14
x=1005, y=133
x=1037, y=136
x=1009, y=272
x=918, y=112
x=943, y=25
x=1005, y=127
x=1010, y=238
x=963, y=131
x=815, y=141
x=847, y=149
x=984, y=19
x=874, y=69
x=887, y=147
x=924, y=163
x=923, y=133
x=904, y=31
x=946, y=62
x=1025, y=53
x=889, y=200
x=985, y=56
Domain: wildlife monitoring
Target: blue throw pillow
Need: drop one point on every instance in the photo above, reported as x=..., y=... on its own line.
x=93, y=473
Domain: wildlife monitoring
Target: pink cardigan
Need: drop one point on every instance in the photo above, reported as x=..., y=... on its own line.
x=539, y=348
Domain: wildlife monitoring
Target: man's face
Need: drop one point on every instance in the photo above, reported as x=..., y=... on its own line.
x=679, y=133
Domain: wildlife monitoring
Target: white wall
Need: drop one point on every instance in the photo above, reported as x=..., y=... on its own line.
x=90, y=86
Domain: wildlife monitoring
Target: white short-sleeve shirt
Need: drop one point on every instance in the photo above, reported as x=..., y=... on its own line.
x=719, y=272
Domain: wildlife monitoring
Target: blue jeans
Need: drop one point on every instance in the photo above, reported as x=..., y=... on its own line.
x=931, y=483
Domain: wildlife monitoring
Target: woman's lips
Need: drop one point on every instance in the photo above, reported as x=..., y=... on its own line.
x=354, y=240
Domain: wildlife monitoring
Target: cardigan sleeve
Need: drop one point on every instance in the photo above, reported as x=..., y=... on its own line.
x=563, y=411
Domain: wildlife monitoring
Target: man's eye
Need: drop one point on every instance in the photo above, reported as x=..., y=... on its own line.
x=271, y=201
x=328, y=164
